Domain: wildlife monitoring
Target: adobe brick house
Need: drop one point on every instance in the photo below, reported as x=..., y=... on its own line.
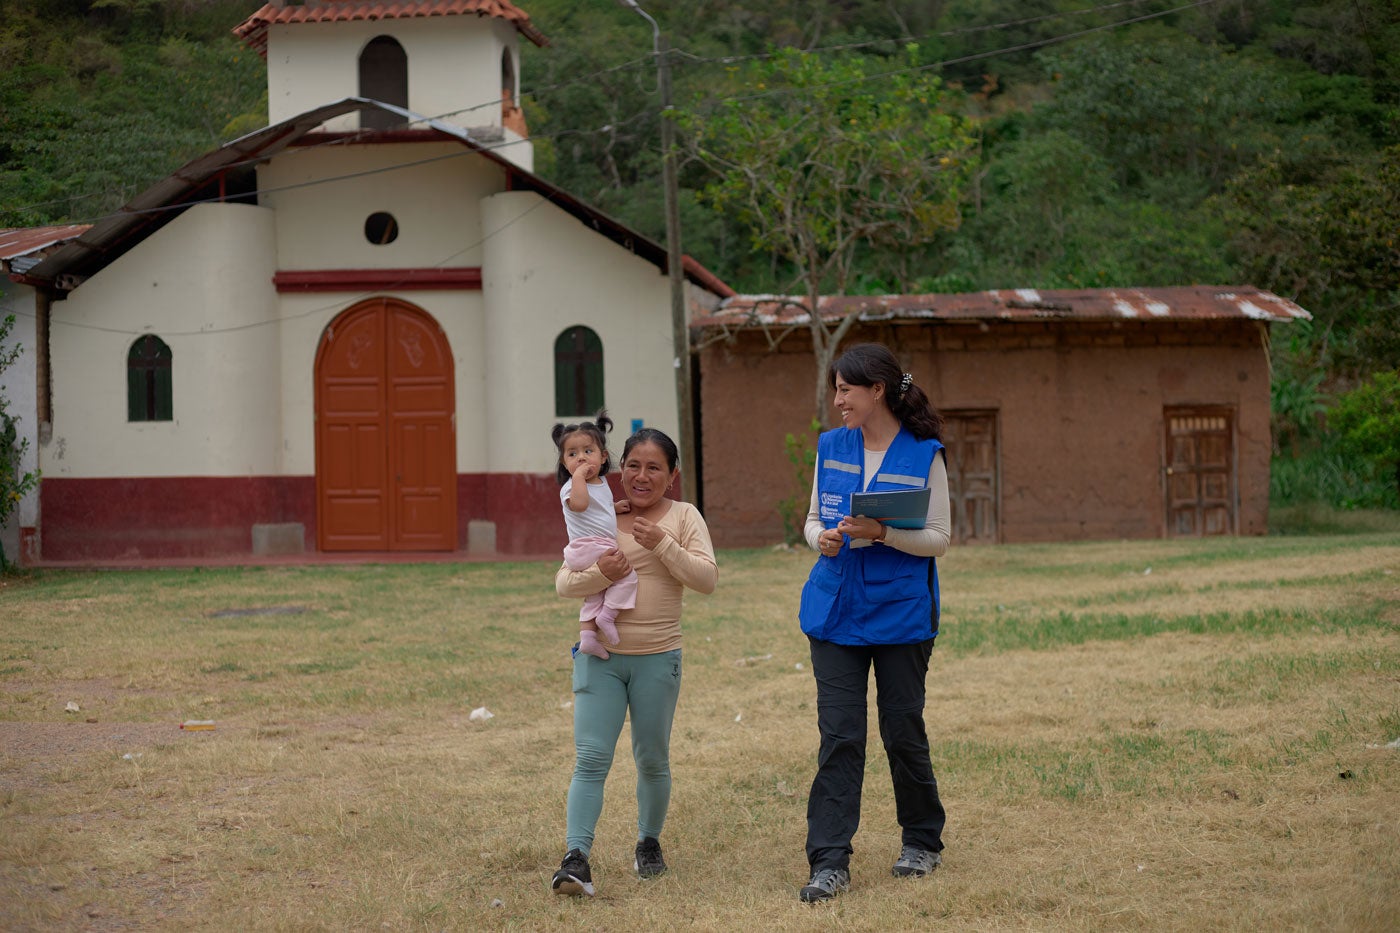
x=1071, y=415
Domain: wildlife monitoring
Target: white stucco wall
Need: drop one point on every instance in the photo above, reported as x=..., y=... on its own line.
x=454, y=66
x=17, y=386
x=542, y=272
x=323, y=196
x=203, y=285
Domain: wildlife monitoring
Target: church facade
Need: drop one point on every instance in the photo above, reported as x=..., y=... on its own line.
x=351, y=330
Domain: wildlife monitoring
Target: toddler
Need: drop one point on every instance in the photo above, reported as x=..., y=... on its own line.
x=591, y=521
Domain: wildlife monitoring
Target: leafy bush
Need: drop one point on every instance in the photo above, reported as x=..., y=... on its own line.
x=13, y=484
x=1367, y=421
x=802, y=454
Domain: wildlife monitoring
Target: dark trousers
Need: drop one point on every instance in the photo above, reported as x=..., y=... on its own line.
x=833, y=808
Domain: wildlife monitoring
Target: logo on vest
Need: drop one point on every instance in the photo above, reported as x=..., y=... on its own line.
x=831, y=507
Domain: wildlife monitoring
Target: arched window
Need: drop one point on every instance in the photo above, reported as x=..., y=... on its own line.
x=512, y=117
x=148, y=390
x=578, y=372
x=507, y=79
x=383, y=77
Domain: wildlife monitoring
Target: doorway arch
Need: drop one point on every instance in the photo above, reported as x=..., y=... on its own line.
x=386, y=452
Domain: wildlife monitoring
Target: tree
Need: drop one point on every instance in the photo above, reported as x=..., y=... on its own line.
x=1368, y=420
x=821, y=158
x=13, y=484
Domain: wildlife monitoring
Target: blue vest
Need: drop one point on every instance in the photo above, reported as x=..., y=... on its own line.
x=875, y=595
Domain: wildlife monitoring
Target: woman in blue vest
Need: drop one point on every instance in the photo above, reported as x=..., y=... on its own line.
x=871, y=600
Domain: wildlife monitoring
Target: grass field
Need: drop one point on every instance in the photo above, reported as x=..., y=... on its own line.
x=1128, y=735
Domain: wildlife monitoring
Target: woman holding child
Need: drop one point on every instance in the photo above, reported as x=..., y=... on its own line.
x=667, y=544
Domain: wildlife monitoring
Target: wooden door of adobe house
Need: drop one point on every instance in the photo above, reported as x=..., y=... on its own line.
x=1200, y=471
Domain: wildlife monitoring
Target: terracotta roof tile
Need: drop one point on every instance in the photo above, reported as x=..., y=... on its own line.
x=253, y=30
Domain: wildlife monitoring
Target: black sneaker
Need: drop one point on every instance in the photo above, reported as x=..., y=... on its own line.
x=826, y=883
x=915, y=862
x=573, y=876
x=649, y=862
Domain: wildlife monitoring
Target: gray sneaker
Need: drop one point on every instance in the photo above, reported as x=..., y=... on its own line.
x=915, y=862
x=826, y=883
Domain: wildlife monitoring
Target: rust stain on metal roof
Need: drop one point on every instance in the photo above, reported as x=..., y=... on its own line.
x=1196, y=302
x=18, y=242
x=253, y=30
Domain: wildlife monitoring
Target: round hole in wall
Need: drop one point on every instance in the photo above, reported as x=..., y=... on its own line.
x=381, y=228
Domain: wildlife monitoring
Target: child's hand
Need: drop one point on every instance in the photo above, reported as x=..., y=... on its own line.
x=585, y=471
x=622, y=506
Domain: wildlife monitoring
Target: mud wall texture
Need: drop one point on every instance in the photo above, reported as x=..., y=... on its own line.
x=1082, y=414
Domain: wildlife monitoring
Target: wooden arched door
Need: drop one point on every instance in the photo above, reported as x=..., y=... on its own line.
x=386, y=458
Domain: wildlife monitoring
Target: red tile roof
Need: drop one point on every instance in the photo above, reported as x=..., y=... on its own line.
x=253, y=30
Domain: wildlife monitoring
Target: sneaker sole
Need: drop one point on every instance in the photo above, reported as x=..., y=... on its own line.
x=573, y=887
x=912, y=872
x=818, y=895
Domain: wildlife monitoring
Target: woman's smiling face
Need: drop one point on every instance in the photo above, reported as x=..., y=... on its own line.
x=646, y=475
x=855, y=403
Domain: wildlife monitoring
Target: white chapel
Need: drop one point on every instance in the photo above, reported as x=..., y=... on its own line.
x=349, y=331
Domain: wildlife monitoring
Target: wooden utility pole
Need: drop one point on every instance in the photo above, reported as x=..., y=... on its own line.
x=680, y=323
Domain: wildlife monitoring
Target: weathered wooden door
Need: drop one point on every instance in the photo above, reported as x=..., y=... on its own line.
x=386, y=463
x=1200, y=471
x=973, y=475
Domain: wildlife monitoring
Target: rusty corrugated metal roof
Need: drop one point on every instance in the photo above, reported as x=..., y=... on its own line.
x=23, y=248
x=1194, y=302
x=253, y=30
x=18, y=242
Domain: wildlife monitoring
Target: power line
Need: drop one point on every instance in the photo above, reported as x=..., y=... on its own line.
x=638, y=62
x=903, y=40
x=1036, y=44
x=340, y=303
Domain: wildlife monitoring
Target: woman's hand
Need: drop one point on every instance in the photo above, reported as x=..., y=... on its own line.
x=861, y=527
x=646, y=533
x=614, y=565
x=829, y=542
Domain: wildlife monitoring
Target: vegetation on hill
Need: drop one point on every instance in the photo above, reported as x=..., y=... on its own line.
x=1129, y=143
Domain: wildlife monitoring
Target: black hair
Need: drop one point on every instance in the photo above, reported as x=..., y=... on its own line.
x=653, y=436
x=868, y=364
x=597, y=429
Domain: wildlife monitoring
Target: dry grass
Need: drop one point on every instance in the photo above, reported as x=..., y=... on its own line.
x=1201, y=746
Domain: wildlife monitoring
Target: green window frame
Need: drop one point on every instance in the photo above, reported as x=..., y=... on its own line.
x=149, y=393
x=578, y=372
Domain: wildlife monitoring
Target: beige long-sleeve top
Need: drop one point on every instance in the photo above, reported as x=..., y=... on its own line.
x=685, y=558
x=928, y=541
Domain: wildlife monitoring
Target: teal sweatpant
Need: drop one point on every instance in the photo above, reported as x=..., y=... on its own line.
x=647, y=686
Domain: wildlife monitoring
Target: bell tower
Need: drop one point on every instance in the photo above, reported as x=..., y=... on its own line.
x=457, y=61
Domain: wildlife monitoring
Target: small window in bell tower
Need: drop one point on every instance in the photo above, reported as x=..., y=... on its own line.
x=383, y=77
x=512, y=117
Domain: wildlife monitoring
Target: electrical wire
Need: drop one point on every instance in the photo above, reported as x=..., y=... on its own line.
x=634, y=63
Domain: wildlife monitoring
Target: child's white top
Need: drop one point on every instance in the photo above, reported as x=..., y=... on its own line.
x=600, y=518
